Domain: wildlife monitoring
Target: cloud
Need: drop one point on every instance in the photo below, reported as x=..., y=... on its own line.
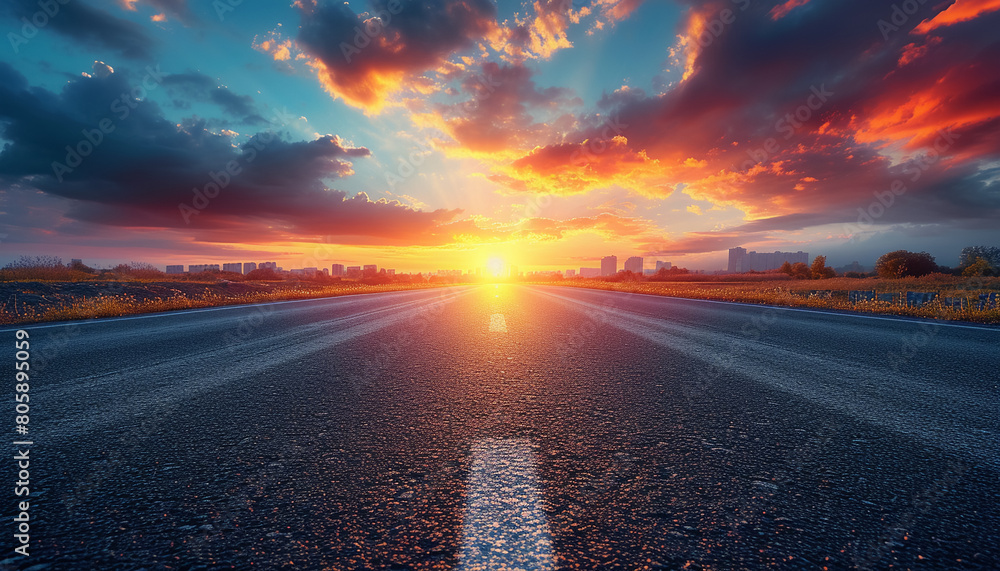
x=960, y=11
x=811, y=115
x=364, y=58
x=573, y=168
x=177, y=9
x=193, y=85
x=504, y=111
x=142, y=171
x=88, y=26
x=781, y=10
x=541, y=34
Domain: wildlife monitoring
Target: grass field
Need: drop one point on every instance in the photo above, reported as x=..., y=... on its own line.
x=116, y=299
x=34, y=302
x=798, y=293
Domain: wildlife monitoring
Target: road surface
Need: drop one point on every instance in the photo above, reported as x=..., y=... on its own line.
x=510, y=427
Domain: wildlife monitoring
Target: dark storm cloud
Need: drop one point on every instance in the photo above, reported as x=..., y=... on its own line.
x=145, y=171
x=366, y=56
x=86, y=25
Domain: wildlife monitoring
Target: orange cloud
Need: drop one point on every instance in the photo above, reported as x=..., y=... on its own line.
x=366, y=58
x=573, y=168
x=617, y=10
x=779, y=11
x=960, y=11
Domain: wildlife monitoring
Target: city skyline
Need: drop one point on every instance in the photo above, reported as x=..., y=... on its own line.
x=166, y=132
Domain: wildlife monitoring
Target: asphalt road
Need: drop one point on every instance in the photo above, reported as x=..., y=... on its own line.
x=509, y=427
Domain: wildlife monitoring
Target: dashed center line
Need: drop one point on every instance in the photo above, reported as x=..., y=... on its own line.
x=505, y=526
x=497, y=323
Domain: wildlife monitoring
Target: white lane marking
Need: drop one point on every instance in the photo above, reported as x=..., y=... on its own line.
x=505, y=526
x=96, y=320
x=845, y=313
x=497, y=323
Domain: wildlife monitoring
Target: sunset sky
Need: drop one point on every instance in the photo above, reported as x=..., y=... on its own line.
x=448, y=132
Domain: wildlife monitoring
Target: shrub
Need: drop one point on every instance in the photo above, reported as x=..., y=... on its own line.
x=263, y=275
x=901, y=264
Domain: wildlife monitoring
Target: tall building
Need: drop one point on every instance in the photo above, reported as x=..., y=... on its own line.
x=742, y=261
x=736, y=256
x=353, y=272
x=266, y=265
x=234, y=267
x=337, y=270
x=663, y=265
x=249, y=267
x=634, y=265
x=198, y=268
x=175, y=269
x=570, y=273
x=373, y=267
x=609, y=265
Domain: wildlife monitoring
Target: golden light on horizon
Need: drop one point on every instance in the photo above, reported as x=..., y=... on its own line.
x=495, y=266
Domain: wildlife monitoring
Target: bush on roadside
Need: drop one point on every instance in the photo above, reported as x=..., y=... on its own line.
x=263, y=275
x=137, y=271
x=41, y=268
x=902, y=263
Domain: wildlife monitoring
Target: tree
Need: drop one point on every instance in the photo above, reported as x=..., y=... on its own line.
x=981, y=267
x=138, y=270
x=663, y=274
x=801, y=271
x=263, y=275
x=972, y=254
x=820, y=270
x=902, y=263
x=79, y=266
x=786, y=268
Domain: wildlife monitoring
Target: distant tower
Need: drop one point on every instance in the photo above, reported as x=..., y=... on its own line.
x=634, y=265
x=736, y=258
x=609, y=265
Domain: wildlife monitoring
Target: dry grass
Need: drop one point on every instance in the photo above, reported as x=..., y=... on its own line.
x=796, y=294
x=121, y=305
